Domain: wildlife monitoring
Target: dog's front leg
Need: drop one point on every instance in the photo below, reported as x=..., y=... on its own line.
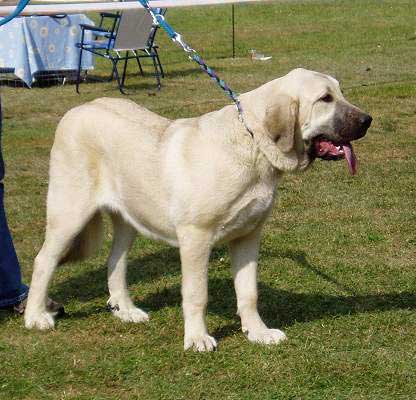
x=195, y=247
x=244, y=256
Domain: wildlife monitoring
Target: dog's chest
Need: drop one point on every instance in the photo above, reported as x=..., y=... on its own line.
x=247, y=212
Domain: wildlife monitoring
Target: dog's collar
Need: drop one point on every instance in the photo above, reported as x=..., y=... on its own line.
x=244, y=122
x=241, y=117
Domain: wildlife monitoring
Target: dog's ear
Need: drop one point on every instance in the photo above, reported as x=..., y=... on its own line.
x=280, y=122
x=274, y=128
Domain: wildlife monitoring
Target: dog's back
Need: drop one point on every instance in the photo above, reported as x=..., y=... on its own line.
x=108, y=119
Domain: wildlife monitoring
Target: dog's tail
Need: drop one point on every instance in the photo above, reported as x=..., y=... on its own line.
x=87, y=242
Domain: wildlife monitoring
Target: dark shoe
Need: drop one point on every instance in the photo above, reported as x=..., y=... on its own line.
x=56, y=309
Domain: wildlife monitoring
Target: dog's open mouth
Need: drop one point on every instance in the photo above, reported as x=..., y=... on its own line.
x=329, y=150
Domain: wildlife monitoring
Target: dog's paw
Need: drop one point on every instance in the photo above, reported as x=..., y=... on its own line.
x=132, y=314
x=42, y=320
x=200, y=343
x=265, y=336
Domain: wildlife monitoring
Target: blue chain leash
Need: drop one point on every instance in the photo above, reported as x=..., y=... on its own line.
x=176, y=37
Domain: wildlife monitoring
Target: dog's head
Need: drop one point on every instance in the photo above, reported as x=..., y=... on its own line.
x=303, y=116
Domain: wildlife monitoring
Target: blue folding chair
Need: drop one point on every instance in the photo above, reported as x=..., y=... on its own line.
x=131, y=31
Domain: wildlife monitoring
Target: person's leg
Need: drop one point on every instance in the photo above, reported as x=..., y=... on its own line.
x=12, y=290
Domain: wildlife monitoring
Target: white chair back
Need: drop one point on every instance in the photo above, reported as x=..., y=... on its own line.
x=133, y=30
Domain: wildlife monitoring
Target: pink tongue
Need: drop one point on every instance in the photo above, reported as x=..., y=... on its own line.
x=350, y=157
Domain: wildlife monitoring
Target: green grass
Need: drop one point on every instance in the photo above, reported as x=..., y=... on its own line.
x=338, y=256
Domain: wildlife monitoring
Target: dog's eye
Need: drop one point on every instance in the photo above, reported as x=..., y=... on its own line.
x=327, y=98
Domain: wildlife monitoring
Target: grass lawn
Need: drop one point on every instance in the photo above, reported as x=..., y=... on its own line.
x=338, y=256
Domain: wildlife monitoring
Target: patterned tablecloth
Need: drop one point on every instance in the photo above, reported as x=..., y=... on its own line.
x=32, y=44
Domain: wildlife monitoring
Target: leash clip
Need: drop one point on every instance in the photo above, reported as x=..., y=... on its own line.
x=155, y=20
x=185, y=46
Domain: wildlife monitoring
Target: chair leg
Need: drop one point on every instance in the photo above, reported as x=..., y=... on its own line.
x=116, y=74
x=162, y=73
x=157, y=74
x=139, y=63
x=79, y=70
x=123, y=78
x=112, y=75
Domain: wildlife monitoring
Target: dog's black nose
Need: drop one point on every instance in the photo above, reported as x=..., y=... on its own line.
x=365, y=121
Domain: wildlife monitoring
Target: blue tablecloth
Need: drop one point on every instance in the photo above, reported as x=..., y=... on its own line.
x=32, y=44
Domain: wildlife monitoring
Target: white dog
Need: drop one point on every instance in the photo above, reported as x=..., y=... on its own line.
x=192, y=183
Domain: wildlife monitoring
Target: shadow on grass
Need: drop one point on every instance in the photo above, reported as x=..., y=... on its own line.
x=279, y=308
x=137, y=76
x=110, y=86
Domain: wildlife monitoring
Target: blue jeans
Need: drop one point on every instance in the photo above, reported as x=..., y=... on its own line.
x=12, y=290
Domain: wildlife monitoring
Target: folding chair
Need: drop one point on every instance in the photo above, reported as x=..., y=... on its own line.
x=130, y=31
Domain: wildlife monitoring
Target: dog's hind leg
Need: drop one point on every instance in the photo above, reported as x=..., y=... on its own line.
x=61, y=230
x=120, y=302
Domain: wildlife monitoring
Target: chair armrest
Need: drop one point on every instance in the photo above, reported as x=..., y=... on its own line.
x=93, y=28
